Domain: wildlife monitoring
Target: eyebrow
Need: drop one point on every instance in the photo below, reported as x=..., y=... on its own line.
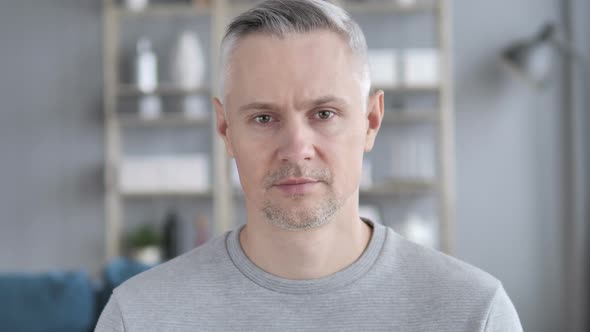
x=307, y=104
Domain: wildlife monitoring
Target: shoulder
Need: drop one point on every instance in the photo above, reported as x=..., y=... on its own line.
x=502, y=315
x=439, y=279
x=427, y=264
x=448, y=285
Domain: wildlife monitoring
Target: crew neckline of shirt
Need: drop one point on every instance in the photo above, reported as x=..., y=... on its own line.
x=320, y=285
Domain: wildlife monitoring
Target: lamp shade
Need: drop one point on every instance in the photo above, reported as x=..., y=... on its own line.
x=532, y=59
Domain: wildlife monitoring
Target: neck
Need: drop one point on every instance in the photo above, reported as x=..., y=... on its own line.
x=307, y=254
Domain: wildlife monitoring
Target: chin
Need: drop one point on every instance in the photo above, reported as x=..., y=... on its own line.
x=301, y=212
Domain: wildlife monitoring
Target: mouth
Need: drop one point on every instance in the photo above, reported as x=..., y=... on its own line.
x=295, y=181
x=297, y=186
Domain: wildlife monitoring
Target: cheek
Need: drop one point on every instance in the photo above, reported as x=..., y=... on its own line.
x=250, y=158
x=346, y=155
x=349, y=138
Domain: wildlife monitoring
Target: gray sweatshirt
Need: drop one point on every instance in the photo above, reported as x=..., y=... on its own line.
x=395, y=285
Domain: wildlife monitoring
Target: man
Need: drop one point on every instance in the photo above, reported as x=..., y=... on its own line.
x=297, y=116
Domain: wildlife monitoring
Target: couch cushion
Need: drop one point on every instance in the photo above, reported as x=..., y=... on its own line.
x=56, y=301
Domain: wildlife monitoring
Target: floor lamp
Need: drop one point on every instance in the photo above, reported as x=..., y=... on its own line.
x=532, y=59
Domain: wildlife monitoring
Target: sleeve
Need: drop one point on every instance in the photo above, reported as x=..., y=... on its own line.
x=111, y=318
x=502, y=316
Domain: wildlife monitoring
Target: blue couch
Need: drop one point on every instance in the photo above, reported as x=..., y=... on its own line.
x=59, y=301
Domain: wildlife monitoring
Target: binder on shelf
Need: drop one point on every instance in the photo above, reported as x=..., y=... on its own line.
x=165, y=175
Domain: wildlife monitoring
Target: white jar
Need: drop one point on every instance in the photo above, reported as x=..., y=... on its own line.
x=188, y=61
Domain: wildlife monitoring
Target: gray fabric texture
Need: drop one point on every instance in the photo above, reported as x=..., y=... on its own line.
x=395, y=285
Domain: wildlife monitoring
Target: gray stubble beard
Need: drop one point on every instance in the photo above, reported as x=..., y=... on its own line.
x=298, y=218
x=302, y=218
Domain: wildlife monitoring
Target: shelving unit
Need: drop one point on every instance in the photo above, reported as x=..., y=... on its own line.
x=129, y=120
x=402, y=89
x=410, y=116
x=129, y=90
x=407, y=187
x=223, y=197
x=166, y=9
x=150, y=194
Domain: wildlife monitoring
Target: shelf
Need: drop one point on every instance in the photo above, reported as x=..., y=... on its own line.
x=166, y=10
x=238, y=8
x=417, y=88
x=131, y=90
x=401, y=187
x=389, y=6
x=175, y=119
x=410, y=116
x=163, y=194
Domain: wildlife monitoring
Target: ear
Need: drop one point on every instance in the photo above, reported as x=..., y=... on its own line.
x=374, y=116
x=223, y=126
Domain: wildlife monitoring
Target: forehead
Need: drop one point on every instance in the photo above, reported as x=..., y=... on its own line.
x=297, y=66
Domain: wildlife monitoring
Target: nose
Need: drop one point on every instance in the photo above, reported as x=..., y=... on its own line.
x=296, y=142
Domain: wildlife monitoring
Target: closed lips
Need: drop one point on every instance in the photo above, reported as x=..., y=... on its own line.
x=291, y=182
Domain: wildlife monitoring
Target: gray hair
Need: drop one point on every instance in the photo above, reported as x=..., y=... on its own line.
x=281, y=17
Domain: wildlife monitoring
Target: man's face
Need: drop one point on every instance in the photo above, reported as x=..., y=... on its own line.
x=294, y=119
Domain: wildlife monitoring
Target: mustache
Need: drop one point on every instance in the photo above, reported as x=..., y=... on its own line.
x=295, y=170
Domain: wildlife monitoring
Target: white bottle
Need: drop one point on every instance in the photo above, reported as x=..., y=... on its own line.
x=146, y=67
x=188, y=62
x=136, y=5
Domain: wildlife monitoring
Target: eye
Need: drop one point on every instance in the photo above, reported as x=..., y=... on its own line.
x=263, y=118
x=325, y=114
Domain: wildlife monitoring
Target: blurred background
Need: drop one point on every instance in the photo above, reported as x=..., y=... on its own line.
x=110, y=162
